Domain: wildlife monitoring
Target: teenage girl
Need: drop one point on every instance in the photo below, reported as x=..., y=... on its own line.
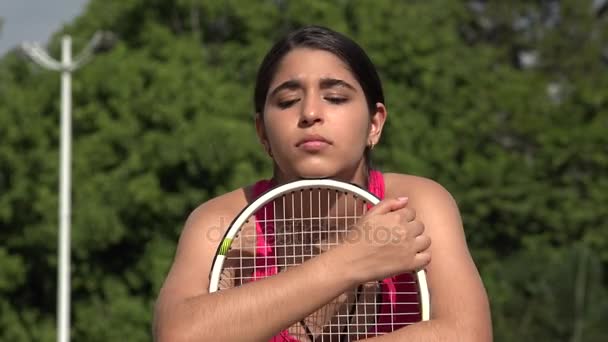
x=320, y=111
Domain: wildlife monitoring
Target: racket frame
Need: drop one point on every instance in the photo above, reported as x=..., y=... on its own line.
x=260, y=202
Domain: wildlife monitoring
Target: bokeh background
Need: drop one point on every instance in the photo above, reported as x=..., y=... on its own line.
x=505, y=103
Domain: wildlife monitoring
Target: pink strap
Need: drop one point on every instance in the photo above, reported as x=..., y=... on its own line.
x=376, y=184
x=260, y=187
x=265, y=261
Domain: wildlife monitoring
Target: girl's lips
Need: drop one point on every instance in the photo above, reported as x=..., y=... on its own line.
x=313, y=145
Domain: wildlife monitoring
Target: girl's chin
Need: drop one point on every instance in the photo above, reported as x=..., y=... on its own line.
x=309, y=172
x=315, y=168
x=316, y=173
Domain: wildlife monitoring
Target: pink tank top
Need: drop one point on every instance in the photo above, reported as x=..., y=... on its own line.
x=399, y=293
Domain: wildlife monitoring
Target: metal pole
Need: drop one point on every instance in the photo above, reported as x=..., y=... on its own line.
x=63, y=305
x=66, y=67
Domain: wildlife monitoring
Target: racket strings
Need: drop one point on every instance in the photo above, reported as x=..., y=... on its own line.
x=296, y=227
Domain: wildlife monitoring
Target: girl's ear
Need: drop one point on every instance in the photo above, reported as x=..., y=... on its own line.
x=259, y=127
x=376, y=124
x=261, y=132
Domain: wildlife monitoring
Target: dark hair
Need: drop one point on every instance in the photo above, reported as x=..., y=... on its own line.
x=322, y=38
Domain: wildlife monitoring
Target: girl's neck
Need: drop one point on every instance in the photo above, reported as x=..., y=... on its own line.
x=358, y=176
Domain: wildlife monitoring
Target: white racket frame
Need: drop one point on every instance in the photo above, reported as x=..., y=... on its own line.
x=239, y=221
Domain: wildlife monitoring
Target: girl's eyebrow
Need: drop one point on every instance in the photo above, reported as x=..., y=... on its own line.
x=325, y=83
x=290, y=84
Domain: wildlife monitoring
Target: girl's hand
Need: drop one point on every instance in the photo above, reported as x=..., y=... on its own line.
x=385, y=242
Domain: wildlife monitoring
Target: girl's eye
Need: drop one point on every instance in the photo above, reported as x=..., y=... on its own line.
x=336, y=99
x=287, y=103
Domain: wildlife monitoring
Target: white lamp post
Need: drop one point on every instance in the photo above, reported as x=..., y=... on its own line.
x=66, y=67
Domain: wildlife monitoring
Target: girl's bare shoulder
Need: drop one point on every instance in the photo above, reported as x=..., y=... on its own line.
x=221, y=210
x=421, y=191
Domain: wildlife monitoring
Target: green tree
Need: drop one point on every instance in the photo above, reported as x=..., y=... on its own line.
x=560, y=295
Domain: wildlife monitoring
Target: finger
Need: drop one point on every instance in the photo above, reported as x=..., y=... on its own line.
x=407, y=214
x=388, y=205
x=421, y=260
x=422, y=243
x=415, y=228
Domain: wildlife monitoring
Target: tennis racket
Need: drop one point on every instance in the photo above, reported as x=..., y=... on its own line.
x=294, y=222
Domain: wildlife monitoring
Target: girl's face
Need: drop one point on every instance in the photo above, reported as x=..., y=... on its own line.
x=316, y=120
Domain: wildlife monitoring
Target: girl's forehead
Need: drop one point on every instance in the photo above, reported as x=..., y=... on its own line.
x=312, y=64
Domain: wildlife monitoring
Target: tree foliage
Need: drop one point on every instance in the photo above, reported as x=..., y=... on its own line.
x=504, y=103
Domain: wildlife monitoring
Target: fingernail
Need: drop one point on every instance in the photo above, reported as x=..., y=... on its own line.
x=402, y=199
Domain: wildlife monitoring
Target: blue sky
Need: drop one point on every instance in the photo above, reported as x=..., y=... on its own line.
x=34, y=20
